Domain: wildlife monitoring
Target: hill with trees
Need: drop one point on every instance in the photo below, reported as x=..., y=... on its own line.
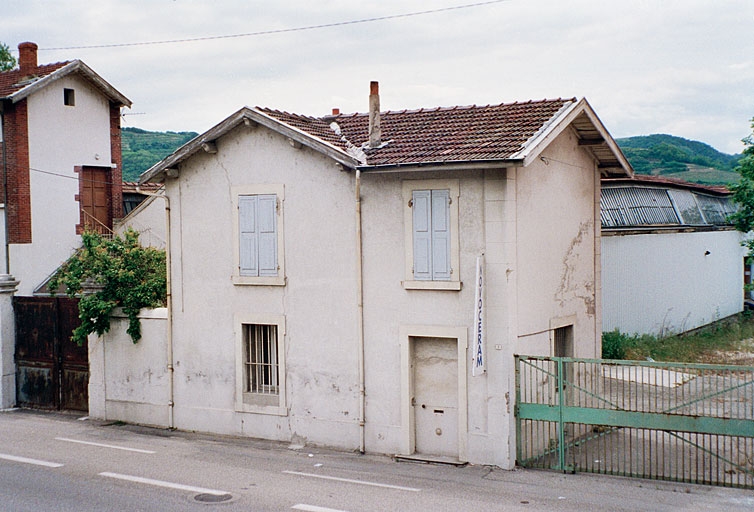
x=664, y=155
x=676, y=157
x=142, y=149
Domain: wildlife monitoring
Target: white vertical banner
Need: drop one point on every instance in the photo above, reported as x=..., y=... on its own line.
x=477, y=364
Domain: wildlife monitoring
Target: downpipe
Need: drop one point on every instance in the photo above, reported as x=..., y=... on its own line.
x=169, y=301
x=360, y=315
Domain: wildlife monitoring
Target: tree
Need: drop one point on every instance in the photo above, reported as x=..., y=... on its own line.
x=7, y=61
x=743, y=192
x=126, y=275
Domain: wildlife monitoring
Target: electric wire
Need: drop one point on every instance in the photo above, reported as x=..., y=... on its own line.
x=279, y=31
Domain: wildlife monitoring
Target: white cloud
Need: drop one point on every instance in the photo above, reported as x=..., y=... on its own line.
x=682, y=67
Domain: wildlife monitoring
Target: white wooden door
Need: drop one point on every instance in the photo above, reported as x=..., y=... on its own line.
x=434, y=365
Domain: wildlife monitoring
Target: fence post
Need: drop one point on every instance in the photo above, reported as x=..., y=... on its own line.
x=561, y=425
x=8, y=286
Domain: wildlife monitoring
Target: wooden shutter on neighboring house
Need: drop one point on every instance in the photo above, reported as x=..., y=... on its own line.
x=257, y=224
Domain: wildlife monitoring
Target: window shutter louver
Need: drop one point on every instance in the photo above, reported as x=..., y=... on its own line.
x=421, y=206
x=249, y=239
x=440, y=235
x=268, y=236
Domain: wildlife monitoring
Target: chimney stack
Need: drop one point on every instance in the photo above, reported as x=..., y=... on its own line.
x=375, y=132
x=336, y=111
x=27, y=58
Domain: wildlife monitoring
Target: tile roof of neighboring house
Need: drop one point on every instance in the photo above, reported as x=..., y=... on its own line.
x=454, y=134
x=12, y=81
x=15, y=87
x=497, y=135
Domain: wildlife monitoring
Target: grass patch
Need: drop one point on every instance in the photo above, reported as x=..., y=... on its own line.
x=726, y=342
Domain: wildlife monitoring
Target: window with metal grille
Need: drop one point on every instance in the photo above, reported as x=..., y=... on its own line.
x=261, y=371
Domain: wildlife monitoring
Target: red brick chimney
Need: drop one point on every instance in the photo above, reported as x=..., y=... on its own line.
x=375, y=132
x=27, y=58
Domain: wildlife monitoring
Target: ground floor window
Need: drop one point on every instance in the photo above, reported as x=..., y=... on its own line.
x=260, y=364
x=261, y=373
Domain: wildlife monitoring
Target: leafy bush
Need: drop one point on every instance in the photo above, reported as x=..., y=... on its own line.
x=126, y=274
x=614, y=345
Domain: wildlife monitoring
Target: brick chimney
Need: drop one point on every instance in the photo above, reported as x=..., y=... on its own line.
x=27, y=58
x=375, y=132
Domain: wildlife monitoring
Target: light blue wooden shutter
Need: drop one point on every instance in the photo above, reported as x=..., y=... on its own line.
x=268, y=234
x=248, y=261
x=440, y=235
x=422, y=219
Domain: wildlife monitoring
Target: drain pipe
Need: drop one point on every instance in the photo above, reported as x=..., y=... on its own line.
x=360, y=314
x=169, y=300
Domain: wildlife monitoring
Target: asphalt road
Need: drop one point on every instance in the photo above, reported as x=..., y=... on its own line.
x=59, y=462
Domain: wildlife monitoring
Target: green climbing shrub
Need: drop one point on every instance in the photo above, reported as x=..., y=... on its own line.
x=125, y=275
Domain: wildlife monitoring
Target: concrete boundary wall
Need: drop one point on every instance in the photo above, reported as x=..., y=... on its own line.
x=129, y=381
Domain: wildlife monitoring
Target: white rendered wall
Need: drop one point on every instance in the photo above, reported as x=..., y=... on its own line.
x=557, y=239
x=60, y=137
x=499, y=213
x=666, y=283
x=318, y=300
x=129, y=381
x=147, y=219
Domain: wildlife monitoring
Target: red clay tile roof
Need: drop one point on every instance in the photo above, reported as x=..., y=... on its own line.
x=454, y=134
x=9, y=80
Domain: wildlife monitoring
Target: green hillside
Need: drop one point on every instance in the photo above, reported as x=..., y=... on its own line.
x=142, y=149
x=664, y=155
x=676, y=157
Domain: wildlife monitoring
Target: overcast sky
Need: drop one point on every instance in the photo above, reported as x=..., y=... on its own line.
x=683, y=67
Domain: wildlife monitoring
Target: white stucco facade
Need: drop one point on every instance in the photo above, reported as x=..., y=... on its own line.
x=533, y=224
x=60, y=138
x=664, y=283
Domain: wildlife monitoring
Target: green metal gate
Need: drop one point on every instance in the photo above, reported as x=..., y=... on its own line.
x=668, y=421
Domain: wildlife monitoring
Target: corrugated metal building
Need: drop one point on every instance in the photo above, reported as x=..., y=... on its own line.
x=671, y=261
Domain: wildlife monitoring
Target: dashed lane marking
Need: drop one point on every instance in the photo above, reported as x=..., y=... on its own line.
x=350, y=481
x=36, y=462
x=114, y=447
x=314, y=508
x=162, y=483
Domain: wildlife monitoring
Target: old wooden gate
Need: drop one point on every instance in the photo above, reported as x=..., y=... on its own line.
x=669, y=421
x=52, y=372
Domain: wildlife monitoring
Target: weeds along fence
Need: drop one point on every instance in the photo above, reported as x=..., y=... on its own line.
x=668, y=421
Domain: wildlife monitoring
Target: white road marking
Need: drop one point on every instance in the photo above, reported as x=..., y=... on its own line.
x=314, y=508
x=137, y=450
x=162, y=483
x=362, y=482
x=36, y=462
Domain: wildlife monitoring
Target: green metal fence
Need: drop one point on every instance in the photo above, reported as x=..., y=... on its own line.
x=668, y=421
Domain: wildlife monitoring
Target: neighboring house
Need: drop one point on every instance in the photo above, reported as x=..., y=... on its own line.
x=61, y=160
x=144, y=211
x=671, y=260
x=324, y=276
x=61, y=164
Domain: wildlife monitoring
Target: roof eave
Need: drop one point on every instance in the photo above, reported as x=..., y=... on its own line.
x=75, y=66
x=532, y=149
x=158, y=171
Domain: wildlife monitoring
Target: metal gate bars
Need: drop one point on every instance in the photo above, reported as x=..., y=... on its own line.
x=668, y=421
